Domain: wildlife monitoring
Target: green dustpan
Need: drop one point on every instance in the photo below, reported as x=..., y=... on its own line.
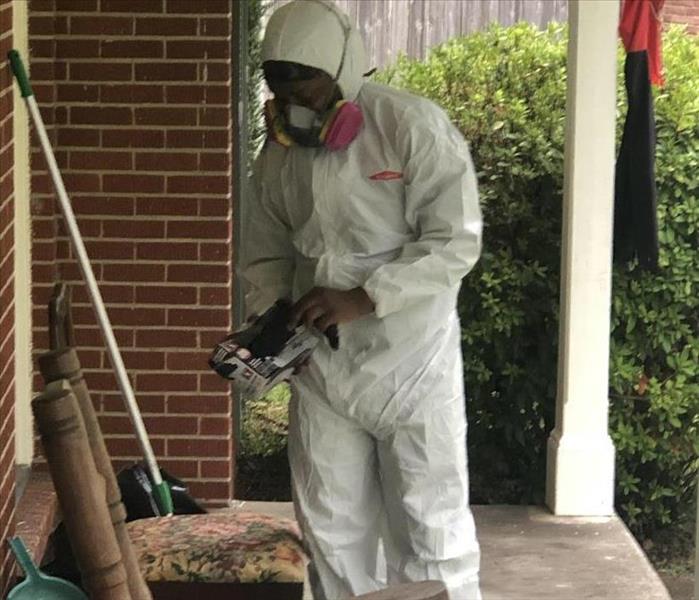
x=38, y=586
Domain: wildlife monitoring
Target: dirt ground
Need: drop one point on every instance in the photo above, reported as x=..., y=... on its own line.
x=680, y=586
x=263, y=478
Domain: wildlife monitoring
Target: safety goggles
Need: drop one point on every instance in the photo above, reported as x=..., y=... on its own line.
x=282, y=72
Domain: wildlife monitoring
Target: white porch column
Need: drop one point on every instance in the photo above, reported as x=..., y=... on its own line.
x=580, y=461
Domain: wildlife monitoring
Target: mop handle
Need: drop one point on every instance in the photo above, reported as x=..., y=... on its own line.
x=161, y=490
x=23, y=558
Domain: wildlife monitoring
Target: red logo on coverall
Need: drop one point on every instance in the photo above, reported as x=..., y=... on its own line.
x=386, y=175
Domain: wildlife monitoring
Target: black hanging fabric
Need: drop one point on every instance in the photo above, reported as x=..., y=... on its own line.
x=635, y=205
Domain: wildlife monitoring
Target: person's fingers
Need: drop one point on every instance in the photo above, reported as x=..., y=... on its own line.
x=333, y=336
x=313, y=314
x=328, y=319
x=310, y=299
x=302, y=365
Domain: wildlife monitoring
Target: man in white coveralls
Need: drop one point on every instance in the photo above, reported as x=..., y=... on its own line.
x=366, y=214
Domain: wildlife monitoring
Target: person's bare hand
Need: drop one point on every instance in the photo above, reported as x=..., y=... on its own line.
x=323, y=307
x=302, y=366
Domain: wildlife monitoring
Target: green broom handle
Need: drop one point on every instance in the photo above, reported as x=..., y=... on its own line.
x=20, y=73
x=163, y=496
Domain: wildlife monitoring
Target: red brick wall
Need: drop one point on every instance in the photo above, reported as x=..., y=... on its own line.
x=682, y=11
x=7, y=330
x=137, y=96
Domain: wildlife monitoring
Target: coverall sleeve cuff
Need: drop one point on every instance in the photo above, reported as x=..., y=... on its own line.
x=382, y=305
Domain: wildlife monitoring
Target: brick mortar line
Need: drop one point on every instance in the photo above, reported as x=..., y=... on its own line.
x=174, y=218
x=7, y=506
x=164, y=350
x=193, y=459
x=216, y=307
x=129, y=126
x=8, y=422
x=6, y=397
x=8, y=366
x=8, y=336
x=9, y=117
x=131, y=60
x=9, y=173
x=132, y=171
x=126, y=15
x=4, y=259
x=157, y=105
x=102, y=350
x=6, y=310
x=195, y=285
x=136, y=195
x=144, y=328
x=170, y=436
x=149, y=262
x=179, y=395
x=167, y=415
x=138, y=151
x=9, y=281
x=170, y=240
x=8, y=450
x=150, y=348
x=199, y=371
x=127, y=37
x=194, y=306
x=132, y=195
x=11, y=224
x=148, y=126
x=9, y=339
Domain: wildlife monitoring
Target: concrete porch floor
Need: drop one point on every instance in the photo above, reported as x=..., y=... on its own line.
x=530, y=554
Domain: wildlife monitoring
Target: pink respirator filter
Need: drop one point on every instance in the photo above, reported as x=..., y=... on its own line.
x=344, y=127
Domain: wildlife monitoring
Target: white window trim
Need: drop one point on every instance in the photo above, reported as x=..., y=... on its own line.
x=24, y=432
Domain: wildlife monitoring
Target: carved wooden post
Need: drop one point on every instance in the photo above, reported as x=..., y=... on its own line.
x=81, y=493
x=64, y=364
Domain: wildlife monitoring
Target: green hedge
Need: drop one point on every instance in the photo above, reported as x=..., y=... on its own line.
x=265, y=424
x=256, y=125
x=505, y=90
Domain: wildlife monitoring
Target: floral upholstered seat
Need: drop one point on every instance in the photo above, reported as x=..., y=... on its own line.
x=221, y=547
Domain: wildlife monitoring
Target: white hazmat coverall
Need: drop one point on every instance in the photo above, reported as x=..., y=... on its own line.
x=377, y=435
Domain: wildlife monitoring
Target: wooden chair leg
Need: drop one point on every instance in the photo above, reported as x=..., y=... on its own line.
x=81, y=493
x=60, y=321
x=63, y=363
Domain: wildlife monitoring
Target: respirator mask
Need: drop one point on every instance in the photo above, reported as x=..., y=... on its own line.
x=293, y=124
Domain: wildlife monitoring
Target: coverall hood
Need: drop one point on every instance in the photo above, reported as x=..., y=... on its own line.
x=317, y=34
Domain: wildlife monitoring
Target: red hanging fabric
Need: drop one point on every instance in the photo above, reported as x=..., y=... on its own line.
x=640, y=29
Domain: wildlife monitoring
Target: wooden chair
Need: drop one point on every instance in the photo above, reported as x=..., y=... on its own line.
x=81, y=493
x=61, y=363
x=219, y=555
